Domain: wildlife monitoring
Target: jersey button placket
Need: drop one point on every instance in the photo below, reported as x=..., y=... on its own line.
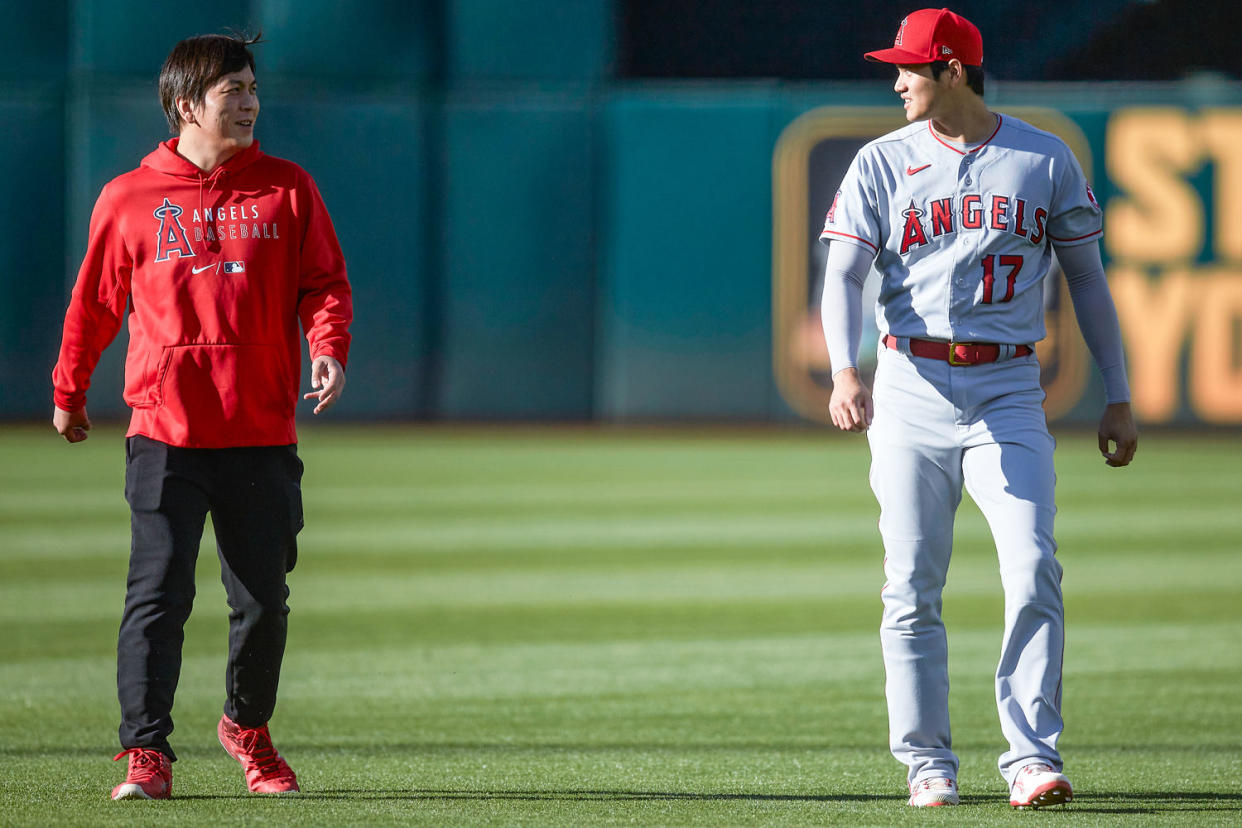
x=960, y=296
x=963, y=297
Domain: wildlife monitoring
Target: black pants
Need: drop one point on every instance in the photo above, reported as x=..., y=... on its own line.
x=255, y=499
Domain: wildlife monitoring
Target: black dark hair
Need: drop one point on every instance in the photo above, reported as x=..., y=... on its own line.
x=974, y=75
x=196, y=63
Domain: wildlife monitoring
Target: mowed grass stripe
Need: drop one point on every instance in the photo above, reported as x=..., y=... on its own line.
x=472, y=667
x=628, y=620
x=1205, y=527
x=517, y=582
x=429, y=501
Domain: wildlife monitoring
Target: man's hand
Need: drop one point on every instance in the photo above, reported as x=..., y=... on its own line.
x=72, y=425
x=850, y=406
x=329, y=377
x=1117, y=427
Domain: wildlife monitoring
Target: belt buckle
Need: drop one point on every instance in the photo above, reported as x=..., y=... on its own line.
x=953, y=354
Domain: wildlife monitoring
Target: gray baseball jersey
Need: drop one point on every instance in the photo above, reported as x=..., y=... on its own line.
x=984, y=214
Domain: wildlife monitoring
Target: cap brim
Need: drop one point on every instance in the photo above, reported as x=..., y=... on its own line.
x=897, y=56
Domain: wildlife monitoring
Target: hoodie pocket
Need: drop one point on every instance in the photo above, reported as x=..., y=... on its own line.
x=140, y=368
x=210, y=384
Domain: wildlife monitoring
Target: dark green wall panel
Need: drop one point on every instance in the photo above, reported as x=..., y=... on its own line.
x=378, y=202
x=132, y=37
x=336, y=41
x=685, y=321
x=32, y=255
x=322, y=39
x=34, y=40
x=518, y=257
x=549, y=40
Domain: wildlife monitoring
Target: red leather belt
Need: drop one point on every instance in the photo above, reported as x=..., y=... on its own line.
x=956, y=353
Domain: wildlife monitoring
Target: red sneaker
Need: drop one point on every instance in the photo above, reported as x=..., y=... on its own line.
x=266, y=771
x=149, y=777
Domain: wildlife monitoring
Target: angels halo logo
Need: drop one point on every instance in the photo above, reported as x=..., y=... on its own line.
x=171, y=237
x=901, y=31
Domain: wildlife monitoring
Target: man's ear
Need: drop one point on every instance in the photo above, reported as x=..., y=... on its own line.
x=957, y=72
x=186, y=110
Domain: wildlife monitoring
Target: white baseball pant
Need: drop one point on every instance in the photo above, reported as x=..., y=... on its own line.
x=937, y=426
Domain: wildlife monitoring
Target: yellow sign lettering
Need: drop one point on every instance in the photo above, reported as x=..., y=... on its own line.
x=1160, y=219
x=1222, y=132
x=1216, y=373
x=1155, y=316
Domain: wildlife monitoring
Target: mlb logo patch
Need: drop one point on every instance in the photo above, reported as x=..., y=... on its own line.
x=234, y=267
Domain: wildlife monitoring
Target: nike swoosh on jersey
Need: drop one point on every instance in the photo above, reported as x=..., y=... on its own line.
x=204, y=267
x=912, y=170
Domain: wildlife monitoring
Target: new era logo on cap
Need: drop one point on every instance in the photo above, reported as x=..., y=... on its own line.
x=933, y=34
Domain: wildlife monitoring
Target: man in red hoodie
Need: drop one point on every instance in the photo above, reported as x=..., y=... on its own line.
x=220, y=251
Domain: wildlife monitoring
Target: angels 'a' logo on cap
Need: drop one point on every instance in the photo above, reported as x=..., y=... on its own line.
x=901, y=30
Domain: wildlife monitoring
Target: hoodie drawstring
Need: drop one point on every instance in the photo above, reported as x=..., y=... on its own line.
x=211, y=182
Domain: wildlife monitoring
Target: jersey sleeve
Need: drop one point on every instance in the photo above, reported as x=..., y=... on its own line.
x=841, y=304
x=1097, y=316
x=852, y=216
x=1074, y=216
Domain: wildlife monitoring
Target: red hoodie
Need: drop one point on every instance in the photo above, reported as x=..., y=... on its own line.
x=219, y=267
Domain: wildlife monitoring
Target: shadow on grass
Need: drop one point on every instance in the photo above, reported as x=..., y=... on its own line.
x=199, y=751
x=1156, y=802
x=293, y=748
x=585, y=796
x=539, y=796
x=1102, y=802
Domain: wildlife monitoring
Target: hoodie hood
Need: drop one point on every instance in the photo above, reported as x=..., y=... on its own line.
x=164, y=159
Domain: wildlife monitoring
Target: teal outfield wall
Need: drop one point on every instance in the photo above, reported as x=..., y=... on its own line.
x=527, y=238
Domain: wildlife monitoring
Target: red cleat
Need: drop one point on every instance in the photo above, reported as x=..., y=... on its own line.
x=266, y=771
x=149, y=777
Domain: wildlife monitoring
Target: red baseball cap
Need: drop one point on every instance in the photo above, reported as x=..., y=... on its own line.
x=929, y=35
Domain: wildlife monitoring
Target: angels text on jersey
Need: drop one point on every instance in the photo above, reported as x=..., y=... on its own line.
x=971, y=211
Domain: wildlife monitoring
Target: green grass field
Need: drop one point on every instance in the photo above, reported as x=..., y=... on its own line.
x=571, y=627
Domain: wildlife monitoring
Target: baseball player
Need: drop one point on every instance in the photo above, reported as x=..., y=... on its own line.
x=214, y=252
x=960, y=212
